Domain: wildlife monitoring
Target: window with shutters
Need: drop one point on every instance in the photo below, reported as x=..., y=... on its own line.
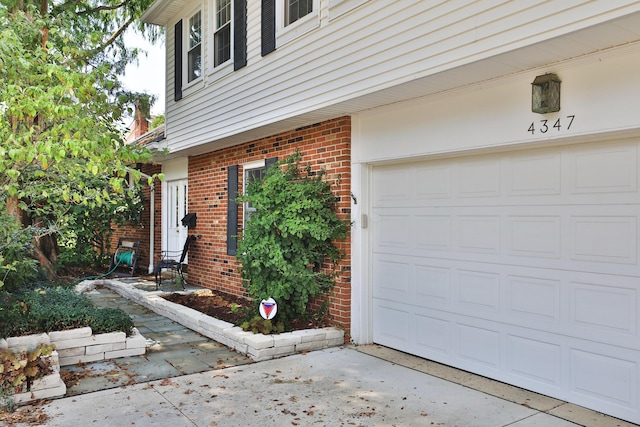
x=194, y=47
x=222, y=31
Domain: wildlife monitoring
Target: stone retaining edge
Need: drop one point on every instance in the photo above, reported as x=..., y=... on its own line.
x=256, y=346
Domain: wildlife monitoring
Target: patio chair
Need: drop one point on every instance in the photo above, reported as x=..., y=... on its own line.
x=125, y=257
x=173, y=260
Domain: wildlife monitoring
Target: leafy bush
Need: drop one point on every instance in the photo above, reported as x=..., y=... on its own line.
x=19, y=370
x=56, y=309
x=290, y=237
x=17, y=267
x=106, y=320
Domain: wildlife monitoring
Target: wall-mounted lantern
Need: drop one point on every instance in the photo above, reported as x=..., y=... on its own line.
x=545, y=94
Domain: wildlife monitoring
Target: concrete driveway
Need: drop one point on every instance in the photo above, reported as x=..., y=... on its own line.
x=333, y=387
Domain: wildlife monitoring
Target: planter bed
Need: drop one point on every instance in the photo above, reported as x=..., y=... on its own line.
x=72, y=347
x=256, y=346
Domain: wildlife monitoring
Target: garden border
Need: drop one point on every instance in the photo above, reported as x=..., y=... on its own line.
x=256, y=346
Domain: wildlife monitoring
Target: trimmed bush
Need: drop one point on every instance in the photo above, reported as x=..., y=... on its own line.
x=57, y=309
x=287, y=248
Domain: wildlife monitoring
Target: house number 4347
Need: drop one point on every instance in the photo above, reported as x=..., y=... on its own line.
x=544, y=126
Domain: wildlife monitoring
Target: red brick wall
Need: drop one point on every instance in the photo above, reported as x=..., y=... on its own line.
x=142, y=231
x=324, y=145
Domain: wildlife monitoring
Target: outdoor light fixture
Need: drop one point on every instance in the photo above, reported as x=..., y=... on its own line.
x=545, y=94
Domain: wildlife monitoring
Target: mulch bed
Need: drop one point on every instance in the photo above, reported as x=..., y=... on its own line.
x=230, y=308
x=222, y=306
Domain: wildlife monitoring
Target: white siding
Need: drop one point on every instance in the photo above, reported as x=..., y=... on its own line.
x=374, y=46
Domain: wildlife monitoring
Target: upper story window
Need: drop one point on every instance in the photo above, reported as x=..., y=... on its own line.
x=296, y=9
x=194, y=48
x=222, y=31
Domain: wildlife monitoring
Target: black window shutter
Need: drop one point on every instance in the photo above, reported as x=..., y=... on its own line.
x=270, y=162
x=177, y=71
x=239, y=34
x=268, y=26
x=232, y=209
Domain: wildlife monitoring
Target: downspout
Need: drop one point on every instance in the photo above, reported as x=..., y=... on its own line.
x=152, y=212
x=152, y=227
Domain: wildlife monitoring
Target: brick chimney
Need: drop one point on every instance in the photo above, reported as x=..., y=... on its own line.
x=141, y=124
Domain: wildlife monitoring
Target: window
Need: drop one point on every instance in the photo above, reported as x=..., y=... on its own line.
x=222, y=32
x=252, y=172
x=194, y=50
x=286, y=20
x=296, y=9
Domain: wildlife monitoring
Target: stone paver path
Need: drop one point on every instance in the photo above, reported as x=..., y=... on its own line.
x=172, y=351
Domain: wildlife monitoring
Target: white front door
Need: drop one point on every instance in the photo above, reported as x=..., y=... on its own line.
x=176, y=210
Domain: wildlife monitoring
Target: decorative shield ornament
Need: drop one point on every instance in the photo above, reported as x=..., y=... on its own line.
x=268, y=308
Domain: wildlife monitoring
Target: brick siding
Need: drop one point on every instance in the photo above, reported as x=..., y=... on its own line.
x=325, y=145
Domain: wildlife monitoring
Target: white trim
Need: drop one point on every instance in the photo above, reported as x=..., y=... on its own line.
x=227, y=66
x=253, y=165
x=258, y=164
x=173, y=170
x=186, y=32
x=361, y=286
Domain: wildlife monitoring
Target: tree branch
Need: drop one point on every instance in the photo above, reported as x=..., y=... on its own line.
x=102, y=8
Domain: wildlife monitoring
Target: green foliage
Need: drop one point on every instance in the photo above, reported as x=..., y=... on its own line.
x=61, y=151
x=16, y=265
x=290, y=237
x=258, y=325
x=19, y=370
x=106, y=320
x=56, y=309
x=156, y=121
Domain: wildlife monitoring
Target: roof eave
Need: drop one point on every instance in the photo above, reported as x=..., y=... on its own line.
x=156, y=13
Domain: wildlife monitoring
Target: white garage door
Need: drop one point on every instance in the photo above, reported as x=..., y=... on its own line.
x=520, y=266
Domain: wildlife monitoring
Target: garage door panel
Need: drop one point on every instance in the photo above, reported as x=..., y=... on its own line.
x=478, y=178
x=479, y=345
x=391, y=324
x=533, y=236
x=535, y=360
x=602, y=309
x=584, y=305
x=598, y=377
x=478, y=290
x=565, y=175
x=531, y=175
x=534, y=299
x=610, y=168
x=564, y=367
x=605, y=239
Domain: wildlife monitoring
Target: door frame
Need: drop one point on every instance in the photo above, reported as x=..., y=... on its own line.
x=174, y=170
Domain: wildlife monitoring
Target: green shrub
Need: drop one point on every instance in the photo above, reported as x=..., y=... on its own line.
x=17, y=267
x=106, y=320
x=287, y=251
x=55, y=309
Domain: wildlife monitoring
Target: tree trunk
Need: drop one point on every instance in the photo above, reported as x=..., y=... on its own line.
x=45, y=248
x=45, y=263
